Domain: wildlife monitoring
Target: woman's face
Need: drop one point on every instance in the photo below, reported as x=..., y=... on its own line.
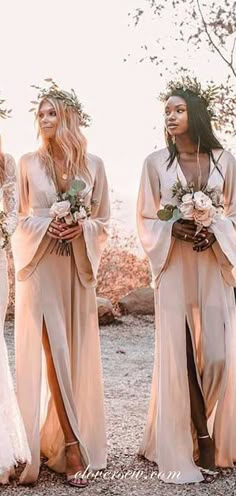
x=176, y=116
x=48, y=120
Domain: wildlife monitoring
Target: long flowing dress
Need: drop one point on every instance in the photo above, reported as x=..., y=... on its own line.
x=60, y=290
x=193, y=287
x=13, y=443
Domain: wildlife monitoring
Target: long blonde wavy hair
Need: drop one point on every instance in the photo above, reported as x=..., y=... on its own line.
x=2, y=165
x=69, y=138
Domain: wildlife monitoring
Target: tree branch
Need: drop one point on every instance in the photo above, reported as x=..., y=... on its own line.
x=229, y=63
x=232, y=51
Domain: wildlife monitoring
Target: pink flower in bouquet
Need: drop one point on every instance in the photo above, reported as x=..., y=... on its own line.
x=60, y=209
x=204, y=217
x=204, y=211
x=187, y=206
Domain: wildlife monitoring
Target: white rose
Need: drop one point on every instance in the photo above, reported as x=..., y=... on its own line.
x=188, y=197
x=60, y=209
x=187, y=207
x=219, y=211
x=69, y=219
x=80, y=215
x=202, y=201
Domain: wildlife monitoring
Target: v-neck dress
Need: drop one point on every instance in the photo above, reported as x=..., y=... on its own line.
x=60, y=290
x=197, y=288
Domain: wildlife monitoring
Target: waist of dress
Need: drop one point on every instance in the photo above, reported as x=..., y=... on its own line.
x=40, y=212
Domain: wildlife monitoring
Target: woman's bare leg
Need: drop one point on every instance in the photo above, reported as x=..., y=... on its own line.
x=198, y=412
x=73, y=456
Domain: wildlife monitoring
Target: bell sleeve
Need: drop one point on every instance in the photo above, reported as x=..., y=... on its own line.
x=155, y=235
x=224, y=227
x=29, y=241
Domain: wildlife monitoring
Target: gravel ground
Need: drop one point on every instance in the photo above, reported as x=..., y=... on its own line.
x=127, y=350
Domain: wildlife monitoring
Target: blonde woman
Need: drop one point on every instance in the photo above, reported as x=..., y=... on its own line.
x=61, y=396
x=13, y=443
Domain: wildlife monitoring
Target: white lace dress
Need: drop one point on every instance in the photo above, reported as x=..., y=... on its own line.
x=13, y=443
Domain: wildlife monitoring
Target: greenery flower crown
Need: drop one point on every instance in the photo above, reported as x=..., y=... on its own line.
x=69, y=99
x=209, y=95
x=4, y=113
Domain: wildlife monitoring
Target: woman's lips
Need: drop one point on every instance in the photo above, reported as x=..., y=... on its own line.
x=172, y=126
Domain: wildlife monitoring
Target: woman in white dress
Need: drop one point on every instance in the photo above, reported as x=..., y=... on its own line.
x=13, y=443
x=194, y=378
x=56, y=309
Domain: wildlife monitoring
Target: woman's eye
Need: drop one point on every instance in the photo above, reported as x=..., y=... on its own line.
x=53, y=113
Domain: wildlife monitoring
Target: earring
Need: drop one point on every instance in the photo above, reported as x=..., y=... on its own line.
x=173, y=139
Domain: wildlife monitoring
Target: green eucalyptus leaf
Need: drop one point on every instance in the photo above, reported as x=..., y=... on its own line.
x=78, y=185
x=170, y=207
x=72, y=193
x=164, y=214
x=176, y=214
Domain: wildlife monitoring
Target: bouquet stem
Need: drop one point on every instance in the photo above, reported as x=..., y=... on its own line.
x=62, y=247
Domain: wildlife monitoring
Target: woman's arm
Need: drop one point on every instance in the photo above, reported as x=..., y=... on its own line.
x=155, y=235
x=95, y=229
x=29, y=241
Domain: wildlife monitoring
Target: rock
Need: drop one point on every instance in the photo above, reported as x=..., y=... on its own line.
x=139, y=301
x=105, y=311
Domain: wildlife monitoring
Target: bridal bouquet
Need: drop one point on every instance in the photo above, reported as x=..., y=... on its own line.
x=71, y=208
x=202, y=206
x=4, y=234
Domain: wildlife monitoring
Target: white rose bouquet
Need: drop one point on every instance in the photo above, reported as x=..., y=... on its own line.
x=71, y=208
x=202, y=207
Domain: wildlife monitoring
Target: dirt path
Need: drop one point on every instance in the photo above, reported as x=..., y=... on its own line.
x=127, y=350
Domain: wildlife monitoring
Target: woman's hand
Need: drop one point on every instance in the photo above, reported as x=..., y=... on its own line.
x=55, y=228
x=184, y=230
x=71, y=232
x=202, y=244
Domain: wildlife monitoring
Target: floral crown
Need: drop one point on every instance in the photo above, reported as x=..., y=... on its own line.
x=4, y=113
x=69, y=99
x=209, y=95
